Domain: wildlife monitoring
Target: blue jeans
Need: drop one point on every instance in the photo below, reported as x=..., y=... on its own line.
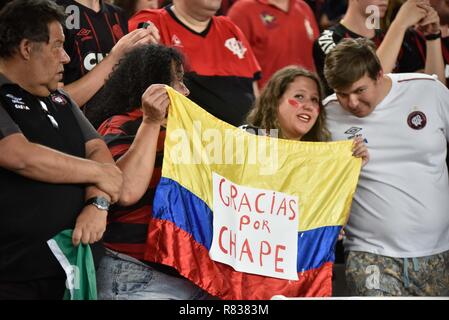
x=121, y=277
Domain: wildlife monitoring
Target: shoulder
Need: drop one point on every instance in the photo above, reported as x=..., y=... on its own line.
x=243, y=4
x=402, y=78
x=331, y=100
x=328, y=40
x=225, y=22
x=154, y=15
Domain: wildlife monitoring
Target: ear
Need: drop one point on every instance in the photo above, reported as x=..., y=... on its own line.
x=25, y=48
x=380, y=74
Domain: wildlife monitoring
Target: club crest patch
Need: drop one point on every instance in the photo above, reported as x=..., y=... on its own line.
x=59, y=99
x=416, y=120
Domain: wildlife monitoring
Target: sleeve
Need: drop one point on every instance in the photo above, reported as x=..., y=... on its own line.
x=87, y=129
x=7, y=125
x=116, y=139
x=443, y=98
x=143, y=16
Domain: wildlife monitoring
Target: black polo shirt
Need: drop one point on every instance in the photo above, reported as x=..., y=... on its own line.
x=33, y=212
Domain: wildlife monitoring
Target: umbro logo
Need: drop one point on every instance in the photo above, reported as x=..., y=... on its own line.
x=85, y=34
x=355, y=132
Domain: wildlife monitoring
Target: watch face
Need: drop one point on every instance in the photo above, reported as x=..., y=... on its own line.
x=102, y=203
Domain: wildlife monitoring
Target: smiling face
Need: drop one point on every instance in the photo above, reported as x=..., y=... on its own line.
x=299, y=108
x=46, y=63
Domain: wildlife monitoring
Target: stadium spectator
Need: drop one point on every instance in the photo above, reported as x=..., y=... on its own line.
x=56, y=172
x=397, y=236
x=221, y=69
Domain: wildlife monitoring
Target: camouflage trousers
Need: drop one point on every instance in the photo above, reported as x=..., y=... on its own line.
x=370, y=274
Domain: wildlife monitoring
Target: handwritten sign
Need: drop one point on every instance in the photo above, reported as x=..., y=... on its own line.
x=255, y=230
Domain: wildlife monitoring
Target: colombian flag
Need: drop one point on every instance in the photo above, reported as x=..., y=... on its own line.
x=246, y=216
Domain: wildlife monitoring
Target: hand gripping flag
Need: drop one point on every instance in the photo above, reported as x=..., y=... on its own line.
x=78, y=265
x=246, y=216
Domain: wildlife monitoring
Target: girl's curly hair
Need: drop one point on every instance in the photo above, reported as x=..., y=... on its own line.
x=136, y=71
x=264, y=114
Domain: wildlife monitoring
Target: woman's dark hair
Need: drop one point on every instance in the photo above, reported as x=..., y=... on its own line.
x=27, y=19
x=136, y=71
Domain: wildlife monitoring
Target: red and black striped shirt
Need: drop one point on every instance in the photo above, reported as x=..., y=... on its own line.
x=90, y=36
x=127, y=227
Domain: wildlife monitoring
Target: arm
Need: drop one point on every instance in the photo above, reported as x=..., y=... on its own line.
x=40, y=163
x=84, y=88
x=434, y=54
x=256, y=89
x=409, y=15
x=91, y=222
x=138, y=162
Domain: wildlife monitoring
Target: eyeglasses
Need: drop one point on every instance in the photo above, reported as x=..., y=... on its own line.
x=53, y=121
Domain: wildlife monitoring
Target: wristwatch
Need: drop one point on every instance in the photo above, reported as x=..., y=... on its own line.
x=100, y=202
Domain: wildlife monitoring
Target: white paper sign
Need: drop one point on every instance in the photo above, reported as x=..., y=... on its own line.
x=255, y=230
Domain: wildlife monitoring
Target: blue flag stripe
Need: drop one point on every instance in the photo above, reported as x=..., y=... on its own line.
x=178, y=205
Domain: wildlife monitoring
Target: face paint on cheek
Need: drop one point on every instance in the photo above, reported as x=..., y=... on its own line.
x=293, y=103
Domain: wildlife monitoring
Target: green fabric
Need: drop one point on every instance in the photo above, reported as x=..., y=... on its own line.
x=78, y=265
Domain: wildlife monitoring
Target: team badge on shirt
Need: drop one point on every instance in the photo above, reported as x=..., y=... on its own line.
x=268, y=20
x=59, y=99
x=236, y=47
x=117, y=31
x=416, y=120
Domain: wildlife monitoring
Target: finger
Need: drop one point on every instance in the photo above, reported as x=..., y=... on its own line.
x=85, y=237
x=92, y=238
x=76, y=236
x=99, y=235
x=359, y=152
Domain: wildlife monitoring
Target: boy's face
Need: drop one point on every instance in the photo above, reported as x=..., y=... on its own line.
x=361, y=98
